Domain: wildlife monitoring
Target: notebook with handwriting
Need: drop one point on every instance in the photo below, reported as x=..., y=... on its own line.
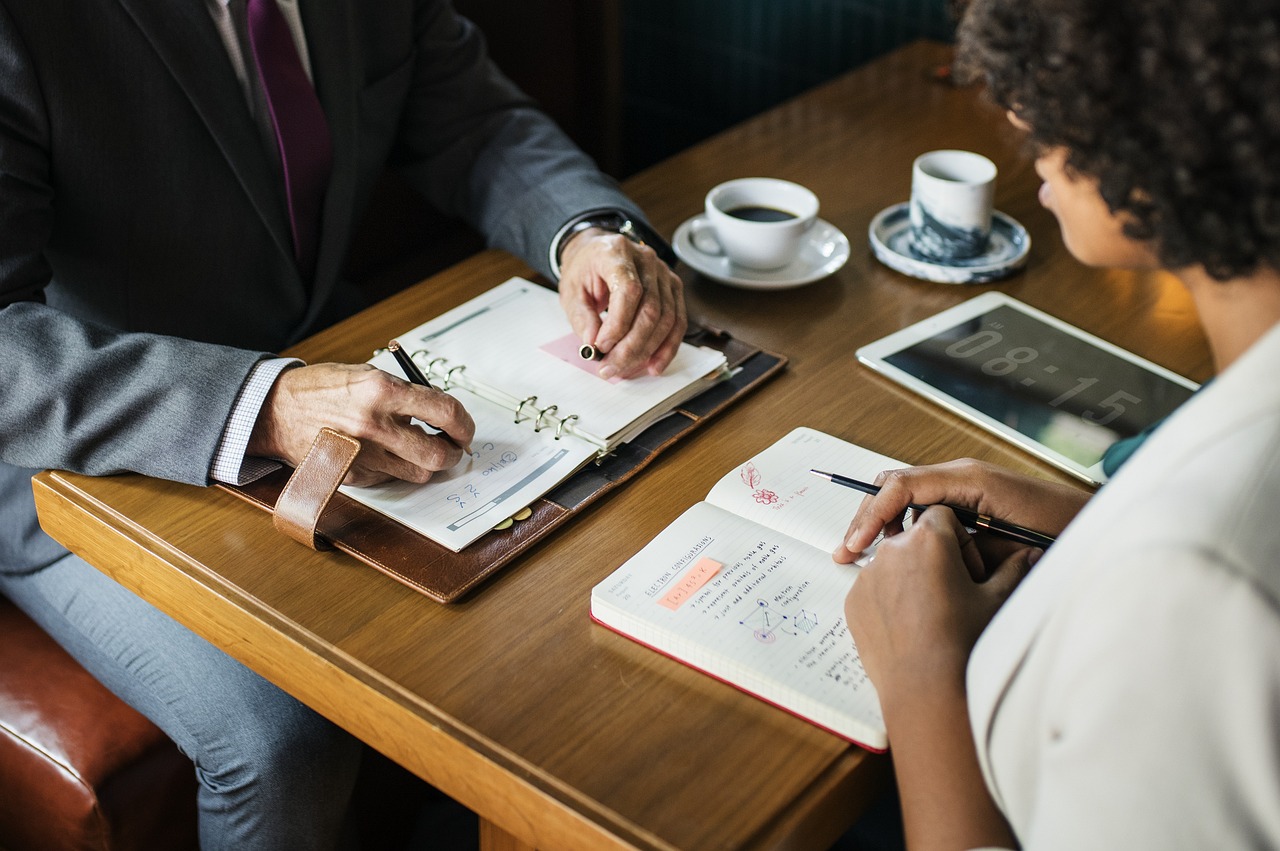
x=541, y=411
x=537, y=465
x=742, y=586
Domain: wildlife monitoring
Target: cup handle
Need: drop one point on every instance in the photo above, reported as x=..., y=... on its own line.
x=702, y=236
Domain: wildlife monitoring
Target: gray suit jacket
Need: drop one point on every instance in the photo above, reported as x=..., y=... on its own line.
x=145, y=253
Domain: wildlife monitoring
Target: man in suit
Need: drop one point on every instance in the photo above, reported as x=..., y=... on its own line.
x=154, y=253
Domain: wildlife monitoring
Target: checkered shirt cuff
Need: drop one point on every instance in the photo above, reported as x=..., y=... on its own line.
x=230, y=464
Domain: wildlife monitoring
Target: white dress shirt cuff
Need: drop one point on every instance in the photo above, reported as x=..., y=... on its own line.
x=230, y=462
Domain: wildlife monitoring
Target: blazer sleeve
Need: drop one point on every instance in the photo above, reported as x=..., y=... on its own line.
x=477, y=147
x=78, y=395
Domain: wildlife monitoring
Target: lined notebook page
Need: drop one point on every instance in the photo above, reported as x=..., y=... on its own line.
x=776, y=489
x=511, y=466
x=500, y=338
x=755, y=608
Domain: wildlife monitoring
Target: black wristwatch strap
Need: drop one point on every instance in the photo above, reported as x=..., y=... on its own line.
x=616, y=221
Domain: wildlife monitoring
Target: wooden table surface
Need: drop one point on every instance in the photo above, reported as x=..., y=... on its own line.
x=559, y=733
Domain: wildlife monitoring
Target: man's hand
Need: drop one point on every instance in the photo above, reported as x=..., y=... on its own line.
x=603, y=272
x=366, y=403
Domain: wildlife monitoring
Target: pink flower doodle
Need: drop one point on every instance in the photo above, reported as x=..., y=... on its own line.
x=751, y=478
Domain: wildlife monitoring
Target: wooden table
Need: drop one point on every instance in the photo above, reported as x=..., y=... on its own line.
x=557, y=732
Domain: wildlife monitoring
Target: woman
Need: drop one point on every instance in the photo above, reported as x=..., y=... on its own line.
x=1127, y=694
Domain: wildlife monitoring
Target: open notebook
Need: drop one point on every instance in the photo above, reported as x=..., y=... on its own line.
x=541, y=411
x=742, y=585
x=494, y=346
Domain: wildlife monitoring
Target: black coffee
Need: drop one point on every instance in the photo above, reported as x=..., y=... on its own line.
x=760, y=214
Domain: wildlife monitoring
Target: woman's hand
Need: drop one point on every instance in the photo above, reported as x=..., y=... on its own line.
x=994, y=491
x=915, y=613
x=917, y=609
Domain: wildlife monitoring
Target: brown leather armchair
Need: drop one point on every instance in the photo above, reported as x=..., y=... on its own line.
x=79, y=769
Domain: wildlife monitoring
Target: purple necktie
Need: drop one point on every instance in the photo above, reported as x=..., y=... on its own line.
x=301, y=131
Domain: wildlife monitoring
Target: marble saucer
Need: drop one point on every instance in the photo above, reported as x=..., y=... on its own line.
x=890, y=235
x=825, y=250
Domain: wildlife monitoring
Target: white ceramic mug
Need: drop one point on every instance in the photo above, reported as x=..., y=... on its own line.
x=952, y=194
x=757, y=222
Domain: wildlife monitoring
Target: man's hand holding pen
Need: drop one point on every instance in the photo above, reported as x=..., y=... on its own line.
x=377, y=408
x=601, y=272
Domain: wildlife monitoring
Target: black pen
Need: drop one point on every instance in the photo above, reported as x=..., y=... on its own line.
x=410, y=368
x=968, y=517
x=415, y=376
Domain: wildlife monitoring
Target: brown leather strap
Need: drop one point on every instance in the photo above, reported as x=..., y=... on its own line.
x=312, y=485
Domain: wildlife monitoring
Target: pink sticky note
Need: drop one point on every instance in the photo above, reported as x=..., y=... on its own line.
x=698, y=575
x=566, y=348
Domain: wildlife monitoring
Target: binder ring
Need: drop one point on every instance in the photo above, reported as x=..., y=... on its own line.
x=448, y=376
x=564, y=421
x=545, y=412
x=431, y=364
x=520, y=408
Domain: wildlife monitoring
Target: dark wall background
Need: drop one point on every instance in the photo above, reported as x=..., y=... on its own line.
x=694, y=67
x=634, y=81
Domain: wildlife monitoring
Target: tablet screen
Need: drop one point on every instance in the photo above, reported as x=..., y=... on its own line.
x=1059, y=389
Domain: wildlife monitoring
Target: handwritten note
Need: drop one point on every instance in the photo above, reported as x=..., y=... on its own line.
x=767, y=613
x=746, y=588
x=775, y=488
x=512, y=466
x=702, y=571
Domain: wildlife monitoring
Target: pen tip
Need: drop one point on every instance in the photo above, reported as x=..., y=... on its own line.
x=393, y=346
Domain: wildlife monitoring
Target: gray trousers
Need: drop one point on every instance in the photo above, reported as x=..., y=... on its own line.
x=272, y=773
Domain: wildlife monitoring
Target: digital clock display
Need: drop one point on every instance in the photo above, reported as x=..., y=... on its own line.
x=1068, y=394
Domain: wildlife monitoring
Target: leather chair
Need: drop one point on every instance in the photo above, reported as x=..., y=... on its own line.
x=79, y=769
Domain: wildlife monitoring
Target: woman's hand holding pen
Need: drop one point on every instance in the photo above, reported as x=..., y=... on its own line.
x=915, y=613
x=604, y=272
x=917, y=609
x=990, y=490
x=371, y=405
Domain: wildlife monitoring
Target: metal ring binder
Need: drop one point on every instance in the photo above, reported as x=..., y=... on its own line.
x=563, y=422
x=537, y=424
x=430, y=364
x=448, y=376
x=520, y=408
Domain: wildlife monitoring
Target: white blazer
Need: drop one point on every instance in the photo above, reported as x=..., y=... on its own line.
x=1128, y=694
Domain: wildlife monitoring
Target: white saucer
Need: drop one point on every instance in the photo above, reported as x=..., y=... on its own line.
x=890, y=235
x=824, y=251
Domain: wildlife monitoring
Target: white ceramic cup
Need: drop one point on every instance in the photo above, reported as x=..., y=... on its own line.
x=952, y=193
x=757, y=222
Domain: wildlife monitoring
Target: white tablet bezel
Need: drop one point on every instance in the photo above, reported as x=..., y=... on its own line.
x=874, y=356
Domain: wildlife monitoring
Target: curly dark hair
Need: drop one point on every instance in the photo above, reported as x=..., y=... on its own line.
x=1172, y=105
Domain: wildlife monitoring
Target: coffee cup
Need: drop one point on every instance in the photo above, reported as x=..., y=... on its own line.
x=952, y=194
x=757, y=222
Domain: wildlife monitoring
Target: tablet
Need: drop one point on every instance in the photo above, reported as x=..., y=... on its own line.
x=1056, y=391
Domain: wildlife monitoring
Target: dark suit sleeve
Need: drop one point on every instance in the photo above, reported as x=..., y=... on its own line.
x=478, y=147
x=78, y=395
